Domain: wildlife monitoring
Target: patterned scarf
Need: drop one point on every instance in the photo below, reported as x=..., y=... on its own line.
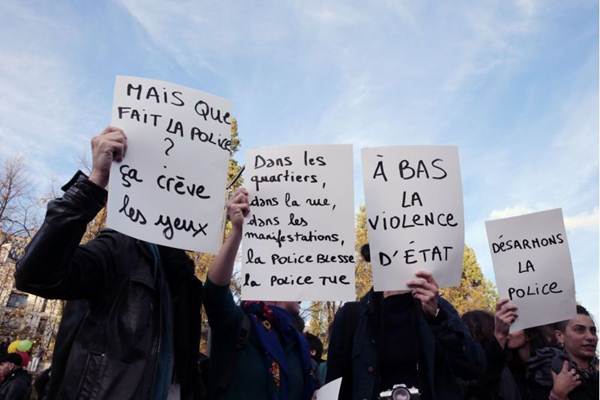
x=274, y=328
x=540, y=366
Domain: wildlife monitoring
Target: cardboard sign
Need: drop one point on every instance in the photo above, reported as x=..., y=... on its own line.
x=533, y=267
x=298, y=241
x=415, y=221
x=170, y=188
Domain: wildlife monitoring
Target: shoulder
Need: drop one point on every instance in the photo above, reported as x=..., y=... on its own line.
x=350, y=309
x=447, y=306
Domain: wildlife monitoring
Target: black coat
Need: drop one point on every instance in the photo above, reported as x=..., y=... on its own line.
x=447, y=350
x=16, y=386
x=107, y=344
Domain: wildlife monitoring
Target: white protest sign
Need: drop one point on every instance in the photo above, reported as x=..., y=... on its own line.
x=331, y=391
x=298, y=241
x=415, y=217
x=533, y=267
x=170, y=188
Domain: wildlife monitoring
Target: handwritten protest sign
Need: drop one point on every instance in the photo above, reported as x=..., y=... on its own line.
x=298, y=242
x=414, y=205
x=533, y=268
x=170, y=188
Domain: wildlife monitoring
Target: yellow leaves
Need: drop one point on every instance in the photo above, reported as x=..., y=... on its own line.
x=475, y=292
x=95, y=226
x=363, y=269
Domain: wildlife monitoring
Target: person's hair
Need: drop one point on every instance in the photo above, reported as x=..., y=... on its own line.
x=365, y=252
x=538, y=338
x=12, y=358
x=314, y=343
x=480, y=323
x=562, y=325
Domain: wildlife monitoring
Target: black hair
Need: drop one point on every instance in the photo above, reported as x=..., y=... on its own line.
x=365, y=252
x=13, y=358
x=480, y=324
x=562, y=325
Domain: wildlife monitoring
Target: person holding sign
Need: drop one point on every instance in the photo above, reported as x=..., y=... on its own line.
x=506, y=353
x=131, y=325
x=414, y=338
x=256, y=350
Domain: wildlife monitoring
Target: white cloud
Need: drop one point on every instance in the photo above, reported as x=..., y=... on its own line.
x=584, y=220
x=510, y=212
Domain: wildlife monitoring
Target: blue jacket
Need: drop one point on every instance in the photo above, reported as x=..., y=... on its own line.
x=446, y=348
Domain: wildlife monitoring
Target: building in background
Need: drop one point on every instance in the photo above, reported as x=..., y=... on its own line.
x=23, y=315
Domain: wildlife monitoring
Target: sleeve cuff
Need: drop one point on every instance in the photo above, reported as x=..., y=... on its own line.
x=83, y=191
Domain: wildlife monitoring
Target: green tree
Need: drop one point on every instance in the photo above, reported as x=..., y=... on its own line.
x=475, y=291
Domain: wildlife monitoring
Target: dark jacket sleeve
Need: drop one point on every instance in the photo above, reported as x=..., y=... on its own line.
x=19, y=387
x=464, y=356
x=222, y=312
x=54, y=264
x=335, y=352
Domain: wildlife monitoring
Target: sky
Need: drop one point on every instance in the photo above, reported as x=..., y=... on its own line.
x=512, y=83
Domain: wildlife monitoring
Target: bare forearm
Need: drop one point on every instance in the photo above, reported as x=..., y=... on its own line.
x=222, y=268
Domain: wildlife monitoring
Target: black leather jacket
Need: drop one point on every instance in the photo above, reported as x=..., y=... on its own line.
x=107, y=344
x=16, y=386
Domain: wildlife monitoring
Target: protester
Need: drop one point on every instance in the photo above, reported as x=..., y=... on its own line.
x=570, y=372
x=496, y=377
x=315, y=346
x=131, y=326
x=16, y=382
x=414, y=338
x=256, y=350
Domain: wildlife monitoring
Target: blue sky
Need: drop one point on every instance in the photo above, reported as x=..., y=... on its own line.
x=513, y=83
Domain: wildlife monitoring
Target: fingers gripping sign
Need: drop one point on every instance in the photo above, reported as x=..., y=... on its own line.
x=110, y=145
x=506, y=314
x=426, y=290
x=238, y=208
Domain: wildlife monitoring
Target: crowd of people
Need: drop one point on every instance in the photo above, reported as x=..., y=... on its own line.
x=131, y=325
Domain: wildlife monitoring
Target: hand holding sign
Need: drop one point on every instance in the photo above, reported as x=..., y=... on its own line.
x=238, y=208
x=170, y=190
x=533, y=267
x=414, y=205
x=109, y=145
x=506, y=314
x=299, y=239
x=425, y=289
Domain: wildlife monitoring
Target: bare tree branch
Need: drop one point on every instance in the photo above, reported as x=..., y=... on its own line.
x=17, y=203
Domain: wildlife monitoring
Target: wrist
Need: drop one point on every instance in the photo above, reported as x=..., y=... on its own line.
x=554, y=395
x=501, y=338
x=99, y=178
x=237, y=230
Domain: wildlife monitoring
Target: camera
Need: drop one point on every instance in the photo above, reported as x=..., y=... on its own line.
x=400, y=392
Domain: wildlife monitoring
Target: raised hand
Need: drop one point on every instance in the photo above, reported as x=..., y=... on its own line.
x=238, y=208
x=425, y=289
x=506, y=314
x=109, y=145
